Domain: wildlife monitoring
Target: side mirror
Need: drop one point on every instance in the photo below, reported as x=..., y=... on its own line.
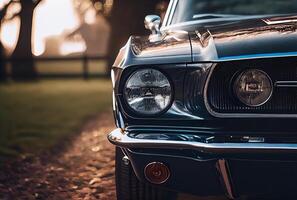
x=152, y=23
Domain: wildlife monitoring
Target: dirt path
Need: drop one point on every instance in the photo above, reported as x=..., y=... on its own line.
x=84, y=170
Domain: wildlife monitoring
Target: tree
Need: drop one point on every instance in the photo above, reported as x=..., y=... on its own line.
x=126, y=19
x=22, y=57
x=2, y=56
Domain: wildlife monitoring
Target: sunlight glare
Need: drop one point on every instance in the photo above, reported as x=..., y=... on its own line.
x=9, y=33
x=71, y=47
x=90, y=16
x=52, y=18
x=3, y=2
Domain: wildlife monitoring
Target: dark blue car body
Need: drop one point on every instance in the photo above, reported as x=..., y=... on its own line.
x=213, y=145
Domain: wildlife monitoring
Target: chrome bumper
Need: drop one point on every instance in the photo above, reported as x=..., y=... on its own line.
x=122, y=139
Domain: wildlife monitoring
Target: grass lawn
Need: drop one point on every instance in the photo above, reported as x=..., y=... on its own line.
x=36, y=116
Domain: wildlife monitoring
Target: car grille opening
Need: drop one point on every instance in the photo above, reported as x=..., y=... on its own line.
x=221, y=98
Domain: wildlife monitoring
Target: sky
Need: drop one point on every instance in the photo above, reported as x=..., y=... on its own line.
x=51, y=17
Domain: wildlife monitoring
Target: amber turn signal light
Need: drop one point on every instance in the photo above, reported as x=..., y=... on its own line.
x=157, y=173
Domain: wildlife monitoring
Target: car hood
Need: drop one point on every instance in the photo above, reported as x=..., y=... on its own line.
x=173, y=47
x=245, y=39
x=235, y=39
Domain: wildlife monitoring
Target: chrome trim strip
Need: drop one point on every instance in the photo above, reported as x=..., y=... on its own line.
x=274, y=22
x=172, y=12
x=257, y=56
x=121, y=138
x=237, y=115
x=286, y=84
x=222, y=166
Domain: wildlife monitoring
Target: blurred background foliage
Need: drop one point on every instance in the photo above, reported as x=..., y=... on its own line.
x=34, y=29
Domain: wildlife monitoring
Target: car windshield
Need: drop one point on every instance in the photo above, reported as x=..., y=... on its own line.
x=189, y=10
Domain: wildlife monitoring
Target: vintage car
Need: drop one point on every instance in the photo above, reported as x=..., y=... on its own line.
x=207, y=104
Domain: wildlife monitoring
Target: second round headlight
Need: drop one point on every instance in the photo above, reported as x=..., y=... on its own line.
x=253, y=87
x=148, y=92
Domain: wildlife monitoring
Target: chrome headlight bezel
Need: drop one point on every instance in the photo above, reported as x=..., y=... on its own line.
x=236, y=85
x=139, y=113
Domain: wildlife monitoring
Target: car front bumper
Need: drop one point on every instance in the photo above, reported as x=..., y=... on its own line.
x=213, y=169
x=123, y=139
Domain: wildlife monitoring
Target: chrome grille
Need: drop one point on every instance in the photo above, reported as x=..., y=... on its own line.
x=221, y=99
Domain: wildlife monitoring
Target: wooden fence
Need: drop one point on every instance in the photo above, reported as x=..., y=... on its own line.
x=67, y=67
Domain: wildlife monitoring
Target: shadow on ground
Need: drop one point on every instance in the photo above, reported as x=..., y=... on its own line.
x=83, y=170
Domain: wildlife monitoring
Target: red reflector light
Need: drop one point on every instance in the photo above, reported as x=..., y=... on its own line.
x=156, y=173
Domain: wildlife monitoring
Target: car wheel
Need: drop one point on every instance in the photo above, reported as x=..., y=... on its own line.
x=130, y=188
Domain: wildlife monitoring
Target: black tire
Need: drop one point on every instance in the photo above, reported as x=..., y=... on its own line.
x=130, y=188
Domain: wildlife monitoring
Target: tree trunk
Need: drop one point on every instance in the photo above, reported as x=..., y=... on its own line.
x=2, y=50
x=127, y=19
x=2, y=57
x=23, y=64
x=2, y=64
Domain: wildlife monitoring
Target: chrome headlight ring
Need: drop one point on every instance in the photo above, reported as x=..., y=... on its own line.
x=148, y=92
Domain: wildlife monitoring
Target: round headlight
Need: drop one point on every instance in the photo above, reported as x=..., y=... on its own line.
x=253, y=87
x=148, y=92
